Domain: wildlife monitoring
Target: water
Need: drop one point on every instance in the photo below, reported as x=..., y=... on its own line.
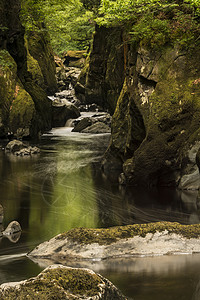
x=63, y=187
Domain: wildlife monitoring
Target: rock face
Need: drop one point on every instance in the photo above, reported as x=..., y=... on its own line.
x=60, y=282
x=27, y=74
x=123, y=241
x=102, y=78
x=155, y=98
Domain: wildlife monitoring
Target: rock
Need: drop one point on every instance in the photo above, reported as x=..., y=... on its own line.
x=75, y=58
x=62, y=111
x=97, y=128
x=14, y=146
x=13, y=227
x=120, y=241
x=18, y=148
x=1, y=214
x=60, y=282
x=82, y=124
x=28, y=151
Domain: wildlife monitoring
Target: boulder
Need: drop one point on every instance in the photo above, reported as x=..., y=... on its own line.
x=18, y=148
x=14, y=146
x=62, y=111
x=159, y=238
x=97, y=128
x=61, y=282
x=82, y=124
x=13, y=227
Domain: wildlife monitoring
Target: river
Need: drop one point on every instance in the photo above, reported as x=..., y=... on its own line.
x=63, y=187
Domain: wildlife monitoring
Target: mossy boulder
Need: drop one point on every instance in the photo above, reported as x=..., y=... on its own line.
x=158, y=238
x=60, y=282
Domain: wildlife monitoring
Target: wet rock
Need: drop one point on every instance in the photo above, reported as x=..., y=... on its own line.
x=62, y=111
x=14, y=146
x=97, y=128
x=82, y=124
x=28, y=151
x=18, y=148
x=60, y=282
x=13, y=227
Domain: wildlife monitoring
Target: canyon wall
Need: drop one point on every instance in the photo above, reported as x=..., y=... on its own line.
x=156, y=99
x=27, y=75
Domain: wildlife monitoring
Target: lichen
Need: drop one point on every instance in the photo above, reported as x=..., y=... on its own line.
x=111, y=235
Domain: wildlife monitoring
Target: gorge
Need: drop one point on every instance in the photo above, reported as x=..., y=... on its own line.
x=146, y=171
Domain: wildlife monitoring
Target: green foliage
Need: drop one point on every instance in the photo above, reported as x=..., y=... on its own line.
x=69, y=23
x=154, y=22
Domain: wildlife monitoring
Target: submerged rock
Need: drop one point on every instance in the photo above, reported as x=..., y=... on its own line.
x=60, y=282
x=122, y=241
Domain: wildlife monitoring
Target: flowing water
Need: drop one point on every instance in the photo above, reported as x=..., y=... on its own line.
x=63, y=187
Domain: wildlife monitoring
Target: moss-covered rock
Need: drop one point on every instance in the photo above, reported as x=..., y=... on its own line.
x=27, y=73
x=40, y=49
x=60, y=282
x=159, y=238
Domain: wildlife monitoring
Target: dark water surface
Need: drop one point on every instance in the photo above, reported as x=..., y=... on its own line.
x=63, y=188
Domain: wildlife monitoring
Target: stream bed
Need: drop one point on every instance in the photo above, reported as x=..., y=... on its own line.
x=63, y=187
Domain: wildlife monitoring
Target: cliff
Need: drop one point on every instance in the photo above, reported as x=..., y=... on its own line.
x=155, y=94
x=27, y=74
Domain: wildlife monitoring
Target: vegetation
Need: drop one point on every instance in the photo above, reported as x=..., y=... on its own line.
x=154, y=22
x=69, y=23
x=107, y=236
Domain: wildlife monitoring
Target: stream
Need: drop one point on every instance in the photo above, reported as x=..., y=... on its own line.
x=63, y=187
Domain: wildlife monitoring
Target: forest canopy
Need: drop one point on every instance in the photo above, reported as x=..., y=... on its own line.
x=68, y=22
x=152, y=22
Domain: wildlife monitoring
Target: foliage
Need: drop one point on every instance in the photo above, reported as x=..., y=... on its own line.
x=154, y=22
x=70, y=25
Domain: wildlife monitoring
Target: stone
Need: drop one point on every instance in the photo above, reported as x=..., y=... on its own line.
x=14, y=146
x=159, y=238
x=61, y=282
x=97, y=128
x=82, y=124
x=62, y=111
x=13, y=227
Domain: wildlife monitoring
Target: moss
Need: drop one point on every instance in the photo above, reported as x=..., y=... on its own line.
x=40, y=49
x=34, y=68
x=21, y=110
x=59, y=283
x=8, y=78
x=110, y=235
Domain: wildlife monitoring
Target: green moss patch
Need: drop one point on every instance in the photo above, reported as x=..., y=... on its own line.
x=57, y=283
x=111, y=235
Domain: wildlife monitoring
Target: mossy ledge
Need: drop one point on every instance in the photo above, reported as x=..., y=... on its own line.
x=60, y=282
x=107, y=236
